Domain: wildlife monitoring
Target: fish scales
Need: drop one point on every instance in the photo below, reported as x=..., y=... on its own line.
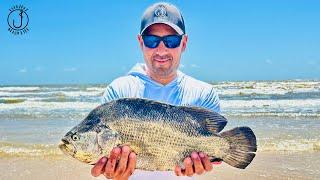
x=153, y=111
x=161, y=143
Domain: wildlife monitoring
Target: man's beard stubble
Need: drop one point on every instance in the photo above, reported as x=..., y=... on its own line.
x=162, y=70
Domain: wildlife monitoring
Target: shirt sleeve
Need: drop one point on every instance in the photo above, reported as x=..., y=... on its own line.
x=212, y=101
x=109, y=94
x=122, y=87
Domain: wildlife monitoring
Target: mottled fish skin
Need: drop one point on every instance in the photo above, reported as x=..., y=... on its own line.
x=160, y=146
x=162, y=135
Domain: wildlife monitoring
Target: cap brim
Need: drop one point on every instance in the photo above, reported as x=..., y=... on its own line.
x=175, y=27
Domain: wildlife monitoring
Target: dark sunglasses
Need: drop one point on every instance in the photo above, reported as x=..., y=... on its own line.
x=170, y=41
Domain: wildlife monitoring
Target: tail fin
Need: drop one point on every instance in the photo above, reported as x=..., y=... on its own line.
x=242, y=147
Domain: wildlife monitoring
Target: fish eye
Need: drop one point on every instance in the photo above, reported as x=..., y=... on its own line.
x=75, y=137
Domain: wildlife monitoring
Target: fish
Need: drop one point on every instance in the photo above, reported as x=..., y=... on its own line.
x=162, y=135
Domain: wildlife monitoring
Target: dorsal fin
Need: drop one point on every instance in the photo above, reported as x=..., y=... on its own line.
x=210, y=120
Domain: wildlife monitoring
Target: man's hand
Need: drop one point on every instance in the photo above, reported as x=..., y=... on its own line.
x=198, y=163
x=112, y=169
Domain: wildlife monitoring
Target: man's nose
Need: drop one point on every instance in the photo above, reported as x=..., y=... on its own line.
x=162, y=48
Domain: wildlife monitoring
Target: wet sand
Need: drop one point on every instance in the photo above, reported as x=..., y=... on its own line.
x=266, y=165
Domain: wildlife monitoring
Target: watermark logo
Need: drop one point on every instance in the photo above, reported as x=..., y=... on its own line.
x=18, y=20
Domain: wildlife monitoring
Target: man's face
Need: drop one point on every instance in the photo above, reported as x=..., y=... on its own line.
x=162, y=61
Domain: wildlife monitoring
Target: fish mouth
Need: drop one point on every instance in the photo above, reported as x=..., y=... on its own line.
x=67, y=148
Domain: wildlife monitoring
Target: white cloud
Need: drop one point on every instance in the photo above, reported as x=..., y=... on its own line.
x=268, y=61
x=123, y=68
x=70, y=69
x=23, y=70
x=312, y=62
x=194, y=66
x=182, y=66
x=38, y=68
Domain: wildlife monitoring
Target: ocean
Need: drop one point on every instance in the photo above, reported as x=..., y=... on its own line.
x=285, y=115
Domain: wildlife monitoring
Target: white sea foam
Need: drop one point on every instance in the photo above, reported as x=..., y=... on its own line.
x=277, y=88
x=97, y=89
x=82, y=93
x=282, y=104
x=19, y=88
x=223, y=88
x=26, y=150
x=290, y=107
x=295, y=145
x=48, y=106
x=52, y=93
x=229, y=105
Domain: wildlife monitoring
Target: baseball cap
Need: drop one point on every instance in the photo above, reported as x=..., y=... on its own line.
x=165, y=13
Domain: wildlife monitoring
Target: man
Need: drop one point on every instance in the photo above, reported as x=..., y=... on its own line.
x=162, y=40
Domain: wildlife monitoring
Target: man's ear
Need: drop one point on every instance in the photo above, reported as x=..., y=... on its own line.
x=140, y=40
x=184, y=42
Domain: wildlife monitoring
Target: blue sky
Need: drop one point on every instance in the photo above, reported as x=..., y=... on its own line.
x=95, y=41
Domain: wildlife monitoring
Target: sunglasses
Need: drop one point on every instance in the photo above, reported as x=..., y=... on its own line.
x=170, y=41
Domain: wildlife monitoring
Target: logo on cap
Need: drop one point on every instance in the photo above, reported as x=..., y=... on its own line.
x=160, y=11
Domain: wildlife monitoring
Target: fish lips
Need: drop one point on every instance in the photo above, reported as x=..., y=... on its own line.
x=67, y=148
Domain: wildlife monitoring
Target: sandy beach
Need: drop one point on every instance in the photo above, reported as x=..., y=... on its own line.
x=265, y=166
